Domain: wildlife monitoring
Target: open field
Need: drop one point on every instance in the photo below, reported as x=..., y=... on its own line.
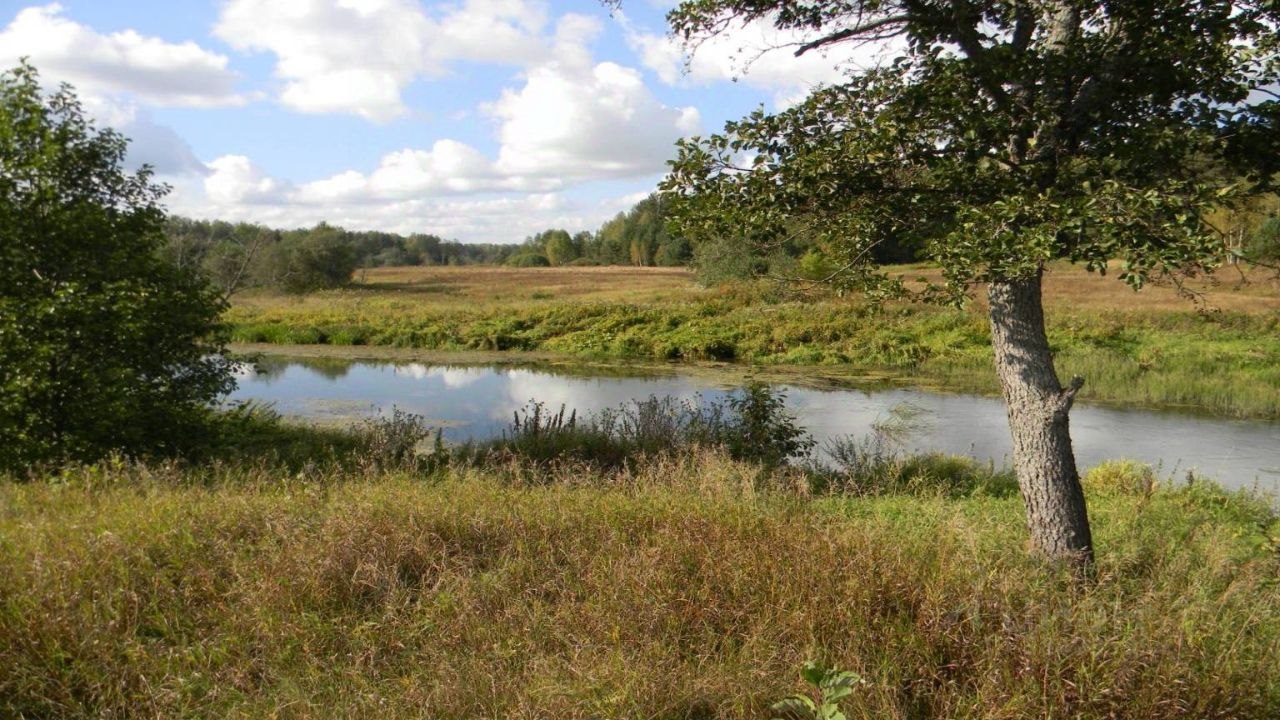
x=1151, y=348
x=692, y=587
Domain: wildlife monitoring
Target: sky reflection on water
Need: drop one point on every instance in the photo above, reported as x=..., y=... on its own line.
x=478, y=402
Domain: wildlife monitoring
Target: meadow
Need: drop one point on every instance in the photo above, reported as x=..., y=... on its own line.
x=690, y=585
x=1151, y=348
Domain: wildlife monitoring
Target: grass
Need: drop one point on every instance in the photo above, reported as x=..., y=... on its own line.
x=1151, y=348
x=689, y=586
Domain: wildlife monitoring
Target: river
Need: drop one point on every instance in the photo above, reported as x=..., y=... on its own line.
x=476, y=402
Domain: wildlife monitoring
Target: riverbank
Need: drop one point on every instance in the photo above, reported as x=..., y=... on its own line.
x=1151, y=349
x=692, y=586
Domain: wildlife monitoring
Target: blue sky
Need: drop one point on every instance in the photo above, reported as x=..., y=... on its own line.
x=480, y=120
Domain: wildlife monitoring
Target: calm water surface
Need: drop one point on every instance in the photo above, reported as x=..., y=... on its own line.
x=478, y=402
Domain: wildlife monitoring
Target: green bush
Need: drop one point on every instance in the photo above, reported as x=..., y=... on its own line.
x=105, y=346
x=1265, y=243
x=527, y=260
x=306, y=261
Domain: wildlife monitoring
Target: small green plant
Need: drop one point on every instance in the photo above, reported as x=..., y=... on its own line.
x=762, y=429
x=831, y=686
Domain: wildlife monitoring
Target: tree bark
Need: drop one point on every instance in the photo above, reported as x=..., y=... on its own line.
x=1038, y=407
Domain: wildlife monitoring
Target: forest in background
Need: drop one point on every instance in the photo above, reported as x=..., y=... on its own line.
x=239, y=255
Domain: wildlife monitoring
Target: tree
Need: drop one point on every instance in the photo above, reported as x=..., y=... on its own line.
x=223, y=253
x=104, y=344
x=307, y=260
x=558, y=247
x=1264, y=246
x=1003, y=135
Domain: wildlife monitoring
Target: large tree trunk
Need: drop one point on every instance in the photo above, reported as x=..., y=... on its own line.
x=1038, y=408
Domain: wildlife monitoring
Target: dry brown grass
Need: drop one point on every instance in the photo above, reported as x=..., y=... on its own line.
x=672, y=591
x=1067, y=287
x=1071, y=288
x=497, y=284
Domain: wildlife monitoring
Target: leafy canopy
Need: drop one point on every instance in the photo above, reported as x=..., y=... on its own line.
x=997, y=135
x=103, y=345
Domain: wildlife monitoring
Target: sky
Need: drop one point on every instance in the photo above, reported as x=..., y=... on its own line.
x=475, y=120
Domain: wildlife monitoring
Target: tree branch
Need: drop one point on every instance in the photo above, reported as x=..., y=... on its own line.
x=870, y=26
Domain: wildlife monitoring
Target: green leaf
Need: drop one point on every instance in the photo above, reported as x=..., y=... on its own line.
x=795, y=707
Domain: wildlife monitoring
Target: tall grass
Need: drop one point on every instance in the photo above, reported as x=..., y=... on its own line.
x=751, y=423
x=636, y=563
x=681, y=587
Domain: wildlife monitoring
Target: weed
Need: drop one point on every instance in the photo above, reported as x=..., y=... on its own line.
x=396, y=442
x=830, y=685
x=748, y=424
x=678, y=587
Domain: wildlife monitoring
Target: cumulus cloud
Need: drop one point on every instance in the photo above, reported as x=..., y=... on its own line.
x=758, y=55
x=149, y=142
x=149, y=69
x=235, y=180
x=448, y=167
x=564, y=120
x=238, y=190
x=571, y=121
x=357, y=56
x=576, y=119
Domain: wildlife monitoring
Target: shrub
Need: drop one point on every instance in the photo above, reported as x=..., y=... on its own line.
x=105, y=346
x=302, y=262
x=1265, y=244
x=395, y=442
x=720, y=261
x=528, y=259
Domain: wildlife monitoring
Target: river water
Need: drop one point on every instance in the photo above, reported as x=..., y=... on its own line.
x=478, y=402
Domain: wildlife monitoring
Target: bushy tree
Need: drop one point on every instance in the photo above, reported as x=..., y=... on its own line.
x=307, y=260
x=104, y=344
x=1000, y=135
x=1264, y=245
x=528, y=258
x=559, y=247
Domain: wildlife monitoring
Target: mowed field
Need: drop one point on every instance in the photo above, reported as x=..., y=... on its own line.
x=1220, y=354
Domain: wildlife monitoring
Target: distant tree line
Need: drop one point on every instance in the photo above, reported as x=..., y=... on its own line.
x=635, y=237
x=240, y=255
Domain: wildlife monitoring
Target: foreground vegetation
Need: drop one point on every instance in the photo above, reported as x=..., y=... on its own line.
x=369, y=584
x=1153, y=348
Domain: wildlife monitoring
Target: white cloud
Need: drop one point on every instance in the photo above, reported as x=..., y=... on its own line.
x=565, y=120
x=235, y=180
x=575, y=120
x=448, y=168
x=571, y=121
x=357, y=56
x=149, y=69
x=237, y=189
x=758, y=55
